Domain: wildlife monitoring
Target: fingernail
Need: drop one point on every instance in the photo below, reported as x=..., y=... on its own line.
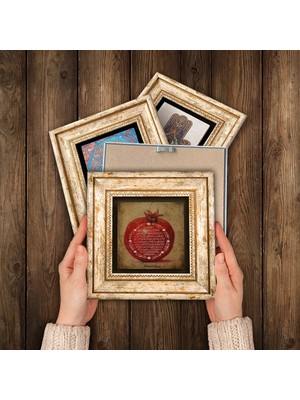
x=79, y=251
x=220, y=258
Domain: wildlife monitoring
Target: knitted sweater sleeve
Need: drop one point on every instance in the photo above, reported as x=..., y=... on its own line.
x=235, y=334
x=62, y=337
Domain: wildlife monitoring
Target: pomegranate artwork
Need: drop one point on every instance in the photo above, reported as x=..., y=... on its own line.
x=149, y=238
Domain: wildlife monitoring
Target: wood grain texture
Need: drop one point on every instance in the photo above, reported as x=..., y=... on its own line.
x=104, y=82
x=154, y=324
x=281, y=199
x=195, y=73
x=52, y=102
x=144, y=64
x=12, y=198
x=237, y=81
x=196, y=70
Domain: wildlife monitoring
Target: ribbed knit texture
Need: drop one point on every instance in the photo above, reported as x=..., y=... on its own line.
x=235, y=334
x=62, y=337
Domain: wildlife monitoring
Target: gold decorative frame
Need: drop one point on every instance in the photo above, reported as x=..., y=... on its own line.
x=228, y=120
x=64, y=140
x=104, y=283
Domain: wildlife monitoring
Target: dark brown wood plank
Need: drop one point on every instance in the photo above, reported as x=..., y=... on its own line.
x=195, y=73
x=281, y=199
x=52, y=102
x=196, y=70
x=237, y=81
x=104, y=78
x=154, y=324
x=12, y=198
x=144, y=64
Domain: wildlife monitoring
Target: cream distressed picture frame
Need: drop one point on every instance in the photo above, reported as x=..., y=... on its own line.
x=66, y=141
x=104, y=281
x=220, y=123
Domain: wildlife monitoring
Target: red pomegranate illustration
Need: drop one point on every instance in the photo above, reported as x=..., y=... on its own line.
x=149, y=238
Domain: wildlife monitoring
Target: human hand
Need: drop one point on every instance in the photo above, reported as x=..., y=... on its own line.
x=228, y=300
x=75, y=308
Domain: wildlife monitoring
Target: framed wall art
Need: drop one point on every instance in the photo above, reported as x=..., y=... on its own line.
x=78, y=147
x=150, y=235
x=192, y=118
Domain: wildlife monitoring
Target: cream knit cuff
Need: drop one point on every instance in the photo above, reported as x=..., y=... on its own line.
x=62, y=337
x=235, y=334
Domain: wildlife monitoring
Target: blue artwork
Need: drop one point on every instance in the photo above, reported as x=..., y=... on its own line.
x=93, y=152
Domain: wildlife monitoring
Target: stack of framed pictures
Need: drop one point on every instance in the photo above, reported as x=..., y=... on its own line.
x=78, y=147
x=151, y=175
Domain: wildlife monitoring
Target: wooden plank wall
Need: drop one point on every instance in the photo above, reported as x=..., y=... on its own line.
x=51, y=102
x=12, y=199
x=41, y=90
x=237, y=81
x=281, y=227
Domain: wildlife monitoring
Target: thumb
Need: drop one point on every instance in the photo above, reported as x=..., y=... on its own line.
x=80, y=262
x=222, y=274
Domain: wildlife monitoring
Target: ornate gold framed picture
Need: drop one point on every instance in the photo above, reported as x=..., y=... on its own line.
x=151, y=235
x=78, y=147
x=192, y=118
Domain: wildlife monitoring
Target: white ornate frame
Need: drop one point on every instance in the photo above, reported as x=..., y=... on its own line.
x=198, y=283
x=228, y=120
x=64, y=140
